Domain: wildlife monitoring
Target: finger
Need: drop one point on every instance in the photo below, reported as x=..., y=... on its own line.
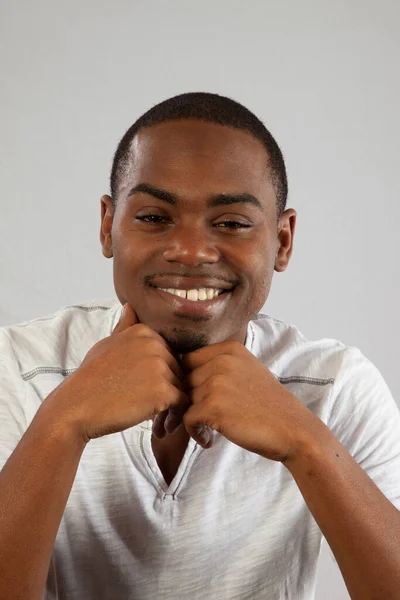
x=178, y=405
x=174, y=419
x=199, y=376
x=127, y=319
x=158, y=429
x=141, y=330
x=201, y=434
x=195, y=424
x=153, y=345
x=199, y=357
x=176, y=381
x=175, y=414
x=161, y=349
x=174, y=366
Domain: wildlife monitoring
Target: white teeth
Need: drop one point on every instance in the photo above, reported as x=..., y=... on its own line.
x=194, y=295
x=202, y=294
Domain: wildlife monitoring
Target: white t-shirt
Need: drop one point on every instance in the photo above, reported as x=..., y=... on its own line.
x=231, y=525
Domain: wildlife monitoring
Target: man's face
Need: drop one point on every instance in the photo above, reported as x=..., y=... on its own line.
x=196, y=210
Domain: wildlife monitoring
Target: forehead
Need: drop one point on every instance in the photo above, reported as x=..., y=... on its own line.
x=191, y=156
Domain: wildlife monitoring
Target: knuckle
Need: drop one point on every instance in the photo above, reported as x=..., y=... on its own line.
x=159, y=364
x=141, y=330
x=237, y=347
x=155, y=346
x=162, y=391
x=149, y=346
x=197, y=395
x=187, y=419
x=214, y=416
x=223, y=361
x=216, y=383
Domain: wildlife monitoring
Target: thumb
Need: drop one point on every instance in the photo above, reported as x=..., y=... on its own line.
x=127, y=319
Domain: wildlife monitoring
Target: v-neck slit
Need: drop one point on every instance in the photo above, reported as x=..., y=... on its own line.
x=147, y=453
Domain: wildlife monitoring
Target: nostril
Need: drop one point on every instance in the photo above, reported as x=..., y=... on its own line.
x=190, y=257
x=191, y=253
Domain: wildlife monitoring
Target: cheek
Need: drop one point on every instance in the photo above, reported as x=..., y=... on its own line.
x=261, y=269
x=129, y=252
x=261, y=286
x=127, y=259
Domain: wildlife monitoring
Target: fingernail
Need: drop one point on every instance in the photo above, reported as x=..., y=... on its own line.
x=172, y=422
x=204, y=438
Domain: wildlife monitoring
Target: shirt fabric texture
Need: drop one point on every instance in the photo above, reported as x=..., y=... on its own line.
x=231, y=525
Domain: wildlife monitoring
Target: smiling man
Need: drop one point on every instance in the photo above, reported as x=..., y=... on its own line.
x=175, y=442
x=201, y=216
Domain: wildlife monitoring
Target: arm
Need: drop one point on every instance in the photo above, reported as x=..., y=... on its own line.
x=123, y=380
x=359, y=523
x=235, y=394
x=35, y=484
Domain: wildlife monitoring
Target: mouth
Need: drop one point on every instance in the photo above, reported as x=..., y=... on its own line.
x=199, y=301
x=194, y=295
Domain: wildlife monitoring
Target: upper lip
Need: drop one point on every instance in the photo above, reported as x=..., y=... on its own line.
x=190, y=283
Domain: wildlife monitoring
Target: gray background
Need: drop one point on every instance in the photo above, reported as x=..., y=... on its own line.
x=324, y=77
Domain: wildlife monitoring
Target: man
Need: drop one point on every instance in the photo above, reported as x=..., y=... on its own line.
x=188, y=446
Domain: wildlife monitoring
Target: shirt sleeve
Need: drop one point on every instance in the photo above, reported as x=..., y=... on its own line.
x=365, y=418
x=12, y=400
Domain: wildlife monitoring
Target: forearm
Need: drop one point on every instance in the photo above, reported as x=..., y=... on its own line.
x=35, y=484
x=359, y=523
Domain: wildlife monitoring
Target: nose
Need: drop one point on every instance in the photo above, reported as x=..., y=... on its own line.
x=190, y=246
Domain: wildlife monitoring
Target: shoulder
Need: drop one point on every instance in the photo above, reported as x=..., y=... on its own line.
x=288, y=353
x=60, y=339
x=337, y=382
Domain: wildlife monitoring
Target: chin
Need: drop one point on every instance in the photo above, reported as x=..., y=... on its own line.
x=183, y=341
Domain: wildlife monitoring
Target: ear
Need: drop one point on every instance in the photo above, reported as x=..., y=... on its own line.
x=107, y=216
x=286, y=228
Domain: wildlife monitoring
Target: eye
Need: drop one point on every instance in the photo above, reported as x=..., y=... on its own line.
x=151, y=219
x=233, y=225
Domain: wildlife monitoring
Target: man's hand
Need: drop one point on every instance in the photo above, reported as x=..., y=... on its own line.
x=232, y=392
x=124, y=379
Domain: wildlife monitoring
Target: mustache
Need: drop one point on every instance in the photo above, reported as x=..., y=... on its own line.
x=147, y=279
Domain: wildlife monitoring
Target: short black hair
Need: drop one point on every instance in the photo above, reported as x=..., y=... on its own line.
x=204, y=106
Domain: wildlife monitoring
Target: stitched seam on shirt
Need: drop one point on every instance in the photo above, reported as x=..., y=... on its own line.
x=55, y=576
x=65, y=372
x=39, y=370
x=85, y=308
x=263, y=316
x=310, y=380
x=141, y=444
x=184, y=473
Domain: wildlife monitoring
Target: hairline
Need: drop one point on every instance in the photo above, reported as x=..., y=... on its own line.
x=269, y=170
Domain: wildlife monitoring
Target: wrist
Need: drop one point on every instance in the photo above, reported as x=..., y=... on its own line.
x=58, y=416
x=309, y=441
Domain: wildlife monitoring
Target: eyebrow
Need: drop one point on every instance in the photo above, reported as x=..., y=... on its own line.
x=217, y=200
